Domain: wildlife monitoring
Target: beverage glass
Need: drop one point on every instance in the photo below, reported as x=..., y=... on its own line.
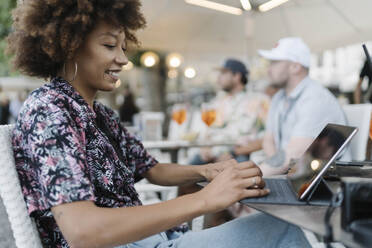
x=209, y=113
x=179, y=113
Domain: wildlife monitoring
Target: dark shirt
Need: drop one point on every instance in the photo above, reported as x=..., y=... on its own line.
x=367, y=72
x=65, y=151
x=128, y=109
x=4, y=113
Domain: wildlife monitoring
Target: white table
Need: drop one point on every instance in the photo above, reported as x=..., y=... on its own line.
x=173, y=146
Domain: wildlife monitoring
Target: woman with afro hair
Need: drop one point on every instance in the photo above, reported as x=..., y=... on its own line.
x=77, y=165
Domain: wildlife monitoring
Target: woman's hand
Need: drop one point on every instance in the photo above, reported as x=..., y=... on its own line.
x=234, y=183
x=210, y=171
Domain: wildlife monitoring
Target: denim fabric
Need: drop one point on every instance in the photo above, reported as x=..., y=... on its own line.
x=255, y=231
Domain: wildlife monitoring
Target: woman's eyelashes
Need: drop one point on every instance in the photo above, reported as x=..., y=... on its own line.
x=111, y=47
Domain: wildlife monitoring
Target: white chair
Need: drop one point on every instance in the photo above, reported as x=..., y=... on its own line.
x=359, y=115
x=23, y=227
x=151, y=125
x=147, y=192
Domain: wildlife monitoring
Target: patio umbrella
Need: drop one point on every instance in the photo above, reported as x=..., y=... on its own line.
x=174, y=25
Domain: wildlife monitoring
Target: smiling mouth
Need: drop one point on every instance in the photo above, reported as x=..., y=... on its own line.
x=113, y=74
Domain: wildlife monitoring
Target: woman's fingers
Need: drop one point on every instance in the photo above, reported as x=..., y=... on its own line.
x=257, y=182
x=252, y=172
x=250, y=193
x=252, y=183
x=248, y=178
x=232, y=185
x=248, y=165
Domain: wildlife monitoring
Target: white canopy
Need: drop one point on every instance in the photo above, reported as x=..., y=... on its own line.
x=200, y=33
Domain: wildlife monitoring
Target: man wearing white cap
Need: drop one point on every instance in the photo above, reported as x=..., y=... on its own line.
x=299, y=111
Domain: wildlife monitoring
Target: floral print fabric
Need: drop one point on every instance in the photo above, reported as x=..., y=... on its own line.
x=62, y=155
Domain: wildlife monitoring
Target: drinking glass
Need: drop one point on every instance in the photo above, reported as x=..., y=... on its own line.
x=209, y=113
x=179, y=113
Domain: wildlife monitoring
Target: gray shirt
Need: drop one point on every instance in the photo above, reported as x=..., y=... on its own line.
x=304, y=113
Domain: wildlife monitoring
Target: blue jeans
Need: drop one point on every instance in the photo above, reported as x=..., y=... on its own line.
x=256, y=231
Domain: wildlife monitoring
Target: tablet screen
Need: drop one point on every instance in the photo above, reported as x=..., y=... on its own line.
x=326, y=147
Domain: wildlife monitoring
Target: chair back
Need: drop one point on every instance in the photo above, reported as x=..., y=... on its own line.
x=359, y=115
x=150, y=125
x=22, y=226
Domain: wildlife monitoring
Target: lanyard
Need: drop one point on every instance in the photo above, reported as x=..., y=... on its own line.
x=283, y=115
x=287, y=107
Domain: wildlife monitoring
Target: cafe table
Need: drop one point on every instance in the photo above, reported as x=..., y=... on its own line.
x=174, y=146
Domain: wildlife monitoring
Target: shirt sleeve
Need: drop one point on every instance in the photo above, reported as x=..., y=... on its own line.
x=138, y=157
x=56, y=168
x=314, y=116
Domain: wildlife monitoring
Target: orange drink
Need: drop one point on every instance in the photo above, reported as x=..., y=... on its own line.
x=209, y=116
x=209, y=113
x=179, y=116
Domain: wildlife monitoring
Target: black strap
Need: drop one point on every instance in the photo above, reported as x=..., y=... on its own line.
x=336, y=202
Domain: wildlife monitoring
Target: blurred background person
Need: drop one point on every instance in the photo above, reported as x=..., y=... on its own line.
x=129, y=108
x=366, y=98
x=248, y=146
x=367, y=95
x=299, y=111
x=237, y=112
x=271, y=90
x=240, y=118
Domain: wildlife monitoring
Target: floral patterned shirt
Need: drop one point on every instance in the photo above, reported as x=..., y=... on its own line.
x=65, y=151
x=240, y=118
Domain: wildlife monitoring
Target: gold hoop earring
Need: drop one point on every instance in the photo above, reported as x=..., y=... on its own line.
x=76, y=68
x=64, y=71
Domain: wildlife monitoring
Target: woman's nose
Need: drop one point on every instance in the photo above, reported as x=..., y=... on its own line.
x=121, y=59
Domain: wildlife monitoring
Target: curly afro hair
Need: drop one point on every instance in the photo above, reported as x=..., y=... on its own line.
x=47, y=32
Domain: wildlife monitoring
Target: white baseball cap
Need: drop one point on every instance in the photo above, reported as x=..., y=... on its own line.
x=291, y=49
